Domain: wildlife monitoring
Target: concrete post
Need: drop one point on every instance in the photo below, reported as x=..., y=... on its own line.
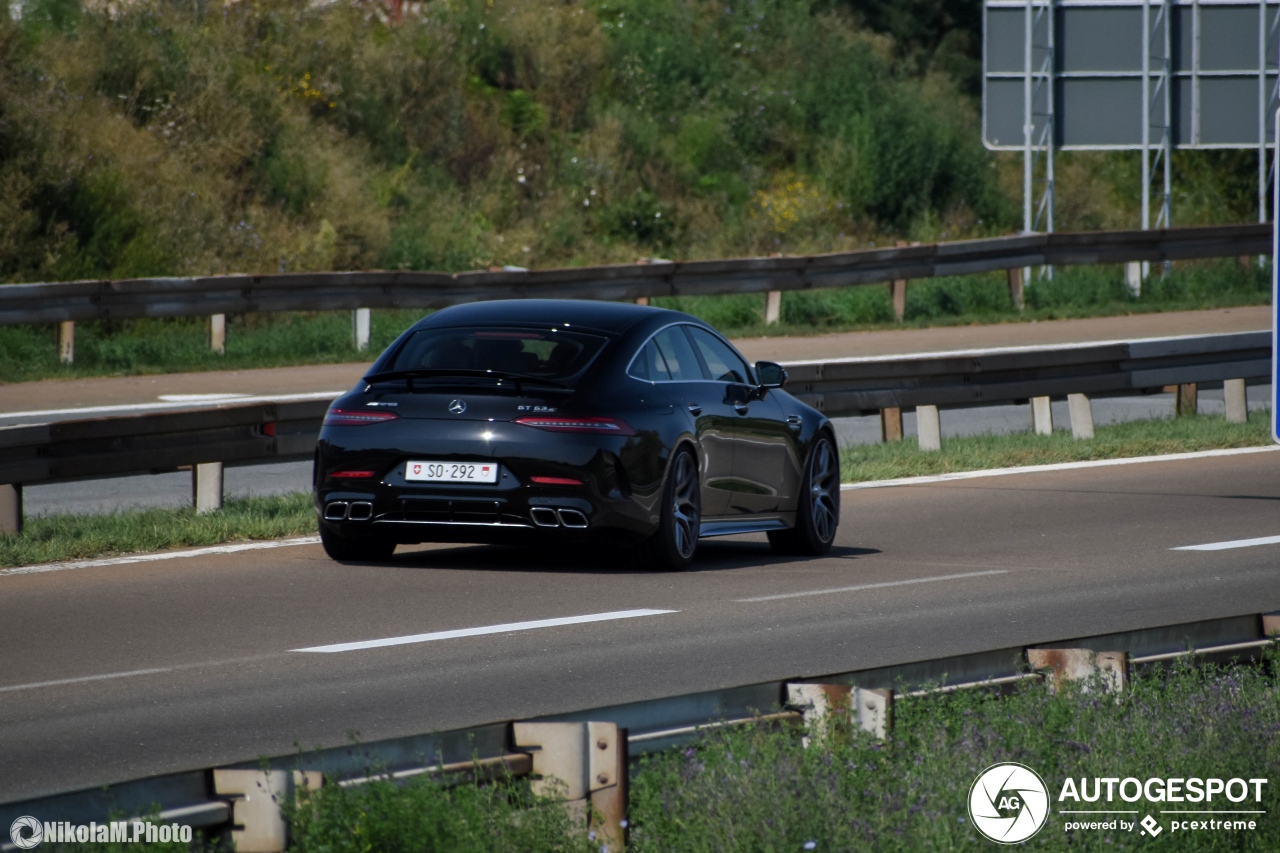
x=206, y=487
x=66, y=339
x=874, y=711
x=1133, y=277
x=1015, y=288
x=1187, y=403
x=11, y=509
x=360, y=328
x=585, y=765
x=1233, y=394
x=1041, y=416
x=928, y=428
x=891, y=424
x=218, y=333
x=898, y=290
x=1081, y=415
x=255, y=796
x=1112, y=668
x=772, y=307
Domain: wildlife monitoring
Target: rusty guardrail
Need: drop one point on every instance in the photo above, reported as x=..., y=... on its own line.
x=205, y=295
x=64, y=303
x=589, y=750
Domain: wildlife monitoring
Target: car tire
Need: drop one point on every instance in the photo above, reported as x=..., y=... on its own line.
x=818, y=508
x=673, y=546
x=361, y=547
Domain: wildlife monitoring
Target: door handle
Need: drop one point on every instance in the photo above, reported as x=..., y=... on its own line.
x=795, y=420
x=695, y=409
x=740, y=408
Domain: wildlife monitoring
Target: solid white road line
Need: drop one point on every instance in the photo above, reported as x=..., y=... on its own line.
x=861, y=587
x=1235, y=543
x=1059, y=466
x=62, y=681
x=488, y=629
x=166, y=555
x=146, y=407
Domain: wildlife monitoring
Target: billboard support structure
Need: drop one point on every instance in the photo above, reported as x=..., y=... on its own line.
x=1150, y=75
x=1033, y=81
x=1161, y=62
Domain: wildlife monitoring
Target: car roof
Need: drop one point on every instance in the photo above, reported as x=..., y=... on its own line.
x=611, y=317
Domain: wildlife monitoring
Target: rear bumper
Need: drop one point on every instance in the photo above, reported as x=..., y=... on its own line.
x=605, y=504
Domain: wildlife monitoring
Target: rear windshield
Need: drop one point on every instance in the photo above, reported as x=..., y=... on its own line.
x=544, y=353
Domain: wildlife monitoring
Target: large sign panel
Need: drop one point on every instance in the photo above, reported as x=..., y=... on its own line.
x=1222, y=72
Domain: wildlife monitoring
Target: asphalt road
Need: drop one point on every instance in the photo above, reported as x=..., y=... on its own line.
x=118, y=671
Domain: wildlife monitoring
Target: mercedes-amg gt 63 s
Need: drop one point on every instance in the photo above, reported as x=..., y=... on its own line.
x=558, y=421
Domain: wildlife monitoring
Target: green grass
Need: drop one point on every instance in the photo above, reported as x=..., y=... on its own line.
x=761, y=790
x=70, y=537
x=741, y=790
x=275, y=340
x=1134, y=438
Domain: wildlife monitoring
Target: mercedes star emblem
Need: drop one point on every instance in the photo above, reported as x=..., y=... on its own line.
x=457, y=407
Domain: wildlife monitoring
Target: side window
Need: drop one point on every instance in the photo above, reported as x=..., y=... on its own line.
x=677, y=355
x=722, y=362
x=649, y=364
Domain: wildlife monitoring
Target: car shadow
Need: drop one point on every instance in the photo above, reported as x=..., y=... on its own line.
x=713, y=556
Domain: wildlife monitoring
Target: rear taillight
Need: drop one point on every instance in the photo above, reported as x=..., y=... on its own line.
x=349, y=417
x=598, y=426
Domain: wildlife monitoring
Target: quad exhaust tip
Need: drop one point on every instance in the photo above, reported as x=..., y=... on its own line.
x=572, y=518
x=544, y=516
x=348, y=511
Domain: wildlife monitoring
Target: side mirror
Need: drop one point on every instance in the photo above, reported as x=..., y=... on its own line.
x=771, y=375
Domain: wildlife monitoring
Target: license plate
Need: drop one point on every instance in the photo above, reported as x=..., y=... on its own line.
x=451, y=472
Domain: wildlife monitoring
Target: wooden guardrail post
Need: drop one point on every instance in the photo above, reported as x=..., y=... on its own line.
x=928, y=428
x=1079, y=664
x=1015, y=288
x=642, y=300
x=1188, y=402
x=218, y=333
x=206, y=487
x=585, y=765
x=66, y=339
x=11, y=508
x=360, y=329
x=1041, y=416
x=1081, y=415
x=891, y=424
x=1236, y=400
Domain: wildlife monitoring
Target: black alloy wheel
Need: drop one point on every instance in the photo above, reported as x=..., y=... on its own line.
x=361, y=547
x=818, y=508
x=676, y=541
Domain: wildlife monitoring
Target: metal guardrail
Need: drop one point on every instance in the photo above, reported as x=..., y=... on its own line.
x=61, y=302
x=273, y=432
x=194, y=797
x=980, y=377
x=134, y=444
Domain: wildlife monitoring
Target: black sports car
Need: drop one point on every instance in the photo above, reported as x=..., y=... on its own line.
x=553, y=421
